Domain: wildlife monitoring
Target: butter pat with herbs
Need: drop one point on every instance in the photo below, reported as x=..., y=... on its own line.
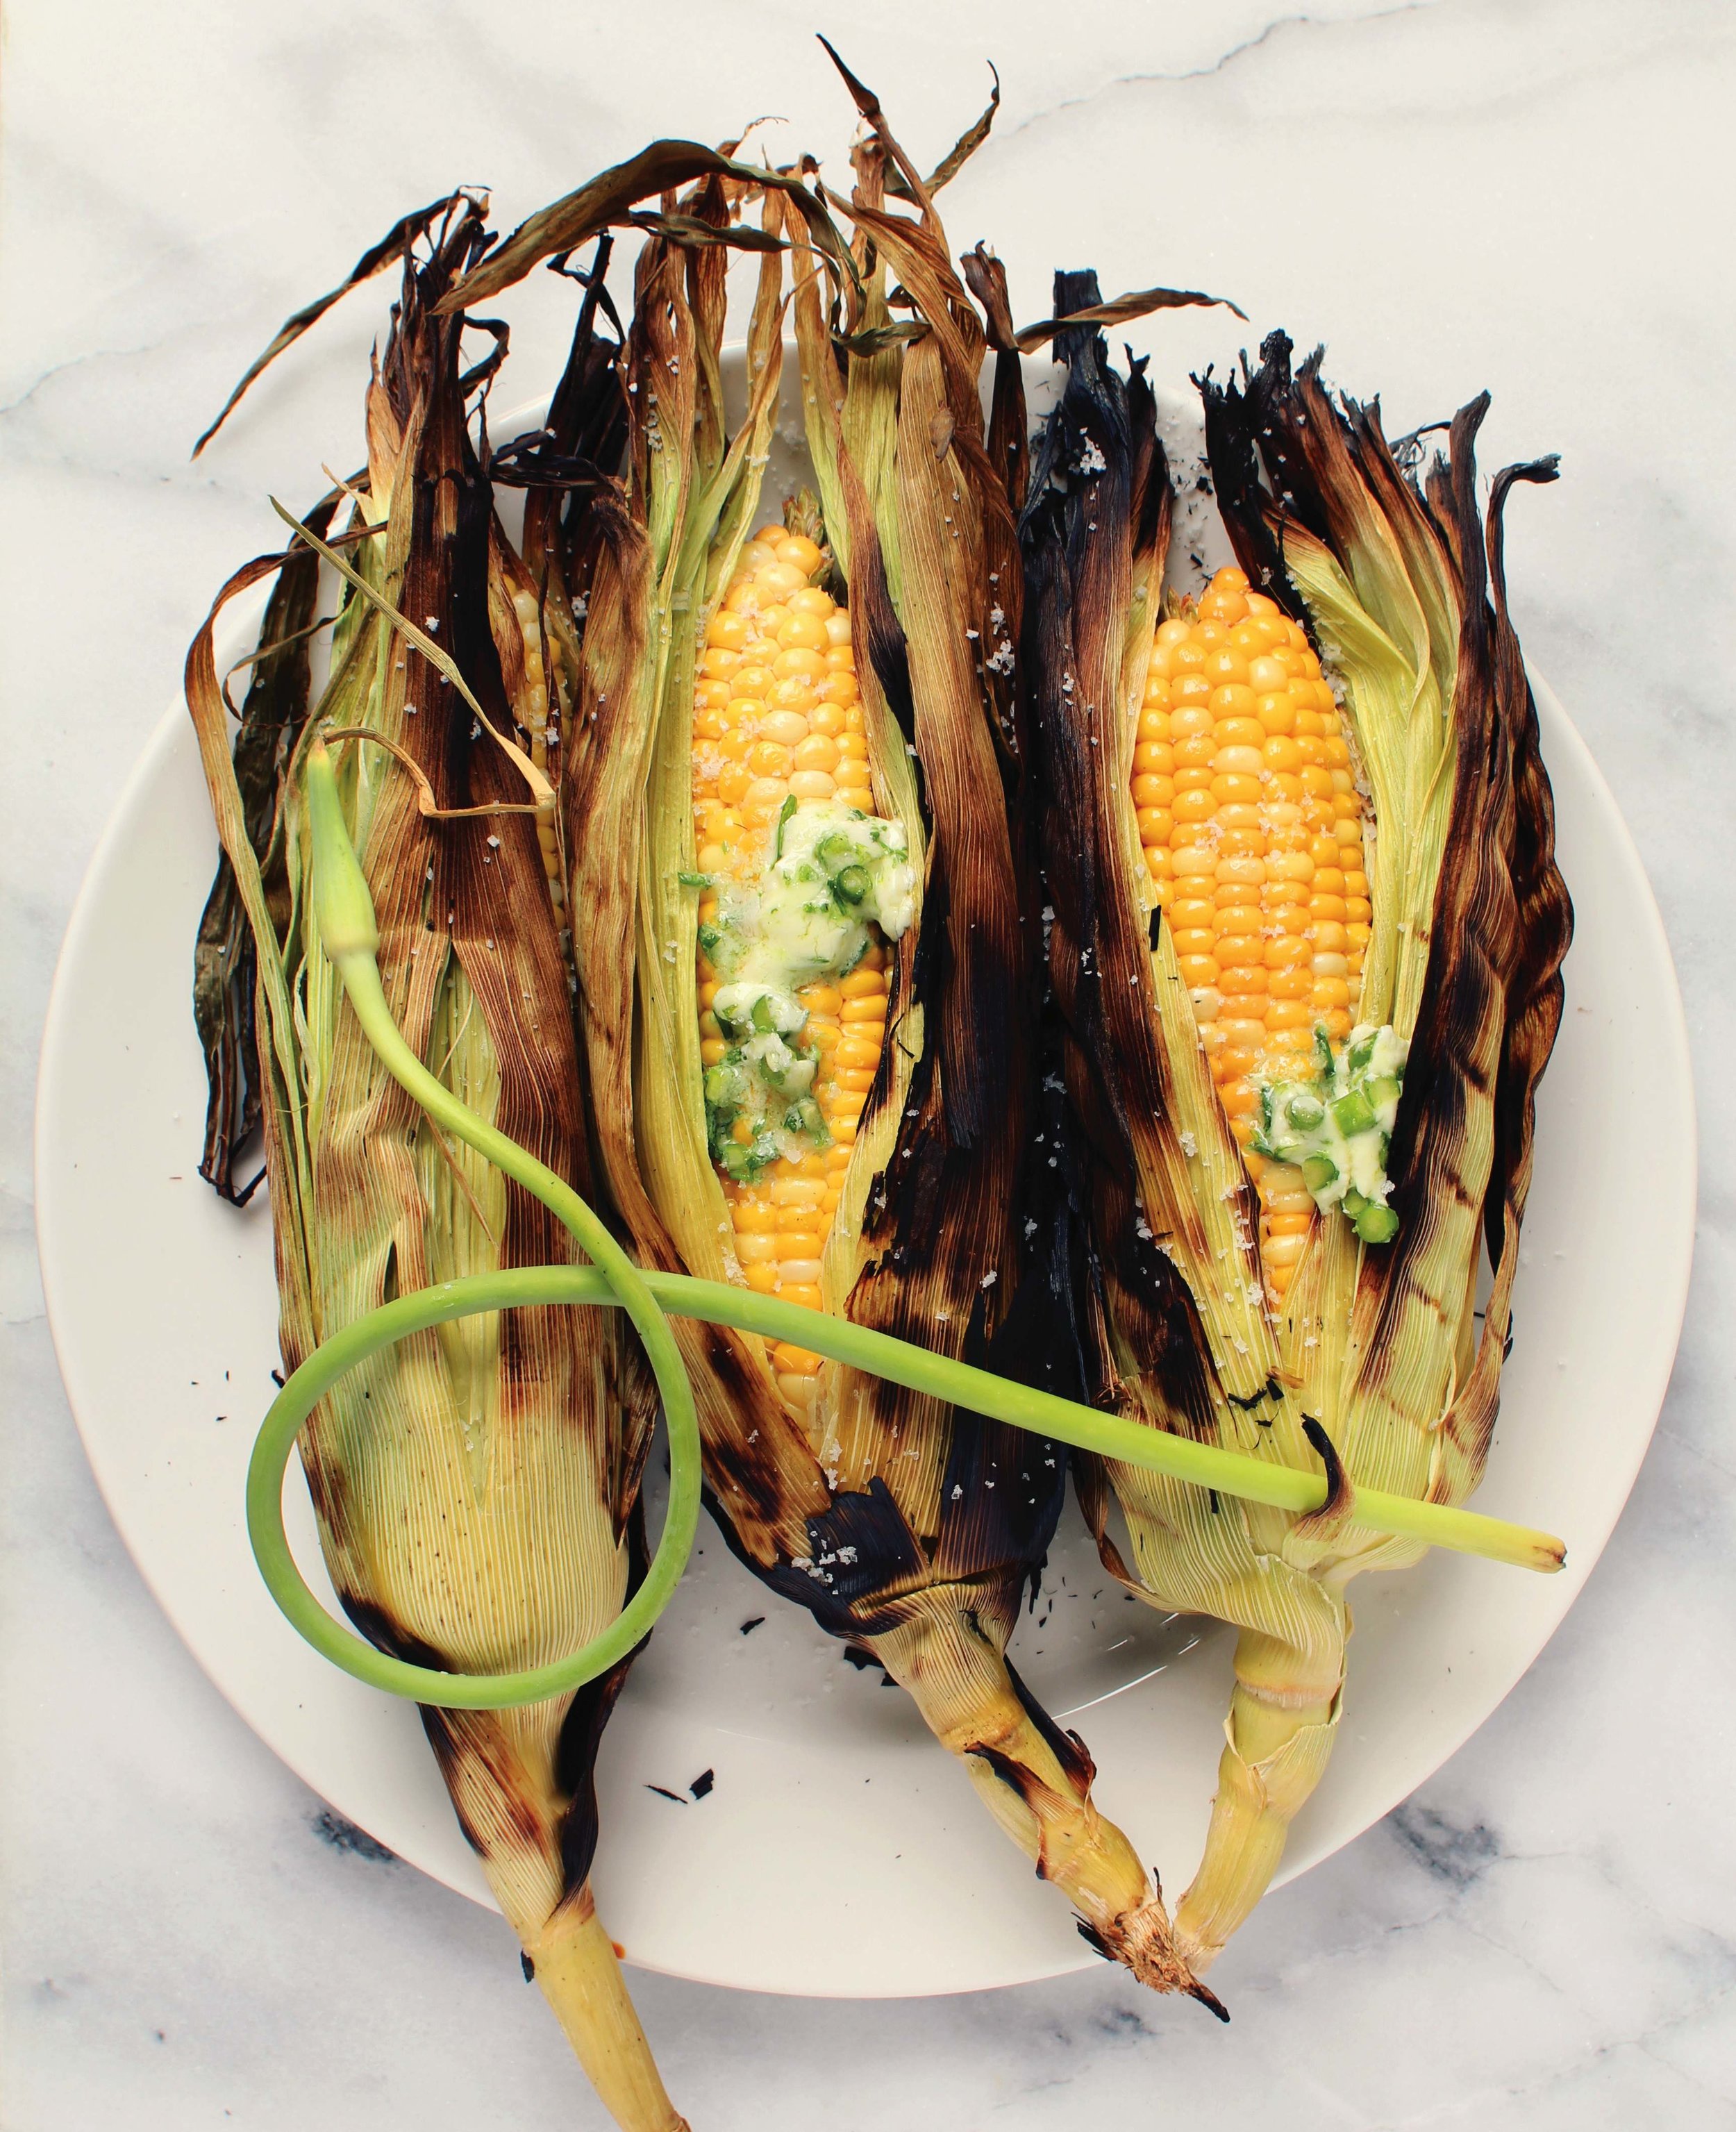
x=1337, y=1127
x=834, y=871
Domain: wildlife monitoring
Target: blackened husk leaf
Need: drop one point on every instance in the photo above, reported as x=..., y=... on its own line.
x=1008, y=447
x=958, y=154
x=1502, y=928
x=563, y=466
x=608, y=200
x=224, y=967
x=1134, y=304
x=1545, y=914
x=1097, y=524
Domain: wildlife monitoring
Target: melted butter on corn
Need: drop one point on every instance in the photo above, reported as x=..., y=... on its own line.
x=1252, y=828
x=779, y=733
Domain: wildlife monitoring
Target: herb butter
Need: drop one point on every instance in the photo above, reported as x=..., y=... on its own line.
x=1336, y=1127
x=833, y=872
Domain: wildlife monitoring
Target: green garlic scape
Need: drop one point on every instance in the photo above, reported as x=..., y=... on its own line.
x=1337, y=1127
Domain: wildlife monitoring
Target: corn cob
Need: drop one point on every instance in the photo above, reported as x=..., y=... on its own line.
x=477, y=1487
x=779, y=726
x=1239, y=1315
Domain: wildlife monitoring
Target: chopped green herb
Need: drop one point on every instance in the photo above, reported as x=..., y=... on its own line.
x=1352, y=1114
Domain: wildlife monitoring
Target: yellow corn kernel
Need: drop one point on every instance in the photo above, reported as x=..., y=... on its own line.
x=797, y=551
x=815, y=751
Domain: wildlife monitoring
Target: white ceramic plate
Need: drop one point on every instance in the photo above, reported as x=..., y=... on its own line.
x=834, y=1823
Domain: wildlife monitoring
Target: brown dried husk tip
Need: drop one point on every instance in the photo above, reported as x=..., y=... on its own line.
x=477, y=1487
x=1376, y=1358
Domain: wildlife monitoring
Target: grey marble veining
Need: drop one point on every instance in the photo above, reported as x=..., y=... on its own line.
x=1537, y=197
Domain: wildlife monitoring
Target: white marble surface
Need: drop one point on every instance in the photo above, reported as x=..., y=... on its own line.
x=1535, y=198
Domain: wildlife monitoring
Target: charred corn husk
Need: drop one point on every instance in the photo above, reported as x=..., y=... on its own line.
x=1300, y=848
x=477, y=1487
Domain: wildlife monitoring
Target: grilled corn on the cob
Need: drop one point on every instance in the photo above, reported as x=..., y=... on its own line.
x=905, y=1526
x=1253, y=1288
x=477, y=1487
